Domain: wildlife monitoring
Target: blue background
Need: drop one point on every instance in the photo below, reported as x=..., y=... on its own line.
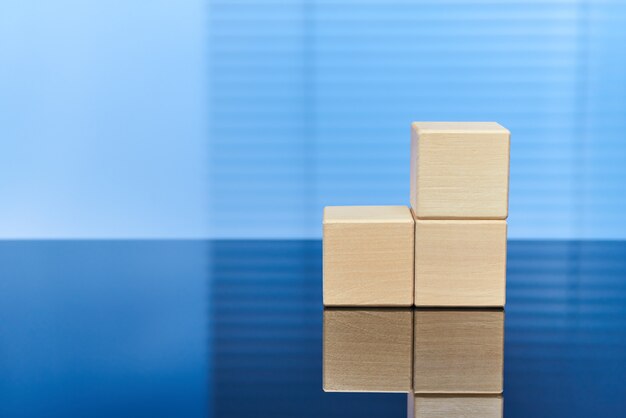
x=196, y=328
x=237, y=119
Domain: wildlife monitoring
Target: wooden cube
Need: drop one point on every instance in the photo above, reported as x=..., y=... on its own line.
x=459, y=170
x=368, y=256
x=367, y=350
x=458, y=351
x=460, y=263
x=454, y=406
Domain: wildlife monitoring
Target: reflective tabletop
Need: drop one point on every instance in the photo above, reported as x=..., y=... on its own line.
x=236, y=328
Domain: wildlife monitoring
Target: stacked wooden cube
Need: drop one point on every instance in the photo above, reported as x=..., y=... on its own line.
x=448, y=250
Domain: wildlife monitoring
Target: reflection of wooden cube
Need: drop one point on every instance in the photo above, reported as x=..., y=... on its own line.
x=458, y=351
x=459, y=170
x=460, y=263
x=368, y=256
x=368, y=350
x=454, y=406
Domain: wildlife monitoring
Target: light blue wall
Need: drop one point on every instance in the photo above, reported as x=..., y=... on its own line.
x=103, y=110
x=243, y=118
x=313, y=99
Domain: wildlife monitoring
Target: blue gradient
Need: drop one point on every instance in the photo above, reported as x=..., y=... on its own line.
x=312, y=102
x=234, y=329
x=103, y=119
x=104, y=328
x=242, y=119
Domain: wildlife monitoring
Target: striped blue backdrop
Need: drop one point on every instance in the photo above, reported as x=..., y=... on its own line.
x=311, y=101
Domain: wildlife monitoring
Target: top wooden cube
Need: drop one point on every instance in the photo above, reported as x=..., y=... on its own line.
x=459, y=170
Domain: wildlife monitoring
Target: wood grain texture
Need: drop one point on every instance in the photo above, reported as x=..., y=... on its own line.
x=460, y=263
x=459, y=170
x=366, y=214
x=367, y=350
x=458, y=351
x=455, y=406
x=368, y=256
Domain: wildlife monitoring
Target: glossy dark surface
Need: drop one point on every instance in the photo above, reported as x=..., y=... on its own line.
x=233, y=329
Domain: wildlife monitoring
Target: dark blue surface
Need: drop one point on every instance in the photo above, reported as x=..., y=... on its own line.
x=233, y=329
